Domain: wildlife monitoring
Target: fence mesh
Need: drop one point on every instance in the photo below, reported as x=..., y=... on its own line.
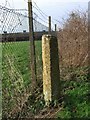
x=16, y=60
x=17, y=100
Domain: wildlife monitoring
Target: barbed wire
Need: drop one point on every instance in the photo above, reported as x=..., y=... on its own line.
x=43, y=19
x=38, y=12
x=40, y=18
x=19, y=9
x=12, y=21
x=44, y=15
x=7, y=3
x=40, y=9
x=7, y=15
x=11, y=10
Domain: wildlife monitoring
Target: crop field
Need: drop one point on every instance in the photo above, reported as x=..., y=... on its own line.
x=16, y=82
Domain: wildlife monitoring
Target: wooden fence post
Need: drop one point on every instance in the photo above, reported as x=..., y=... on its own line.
x=32, y=45
x=51, y=73
x=49, y=31
x=88, y=39
x=55, y=27
x=1, y=40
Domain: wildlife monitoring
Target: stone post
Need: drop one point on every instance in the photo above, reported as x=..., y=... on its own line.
x=51, y=73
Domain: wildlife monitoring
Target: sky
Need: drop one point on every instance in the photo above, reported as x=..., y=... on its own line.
x=57, y=9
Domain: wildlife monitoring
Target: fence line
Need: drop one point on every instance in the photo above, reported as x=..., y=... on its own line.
x=6, y=13
x=16, y=82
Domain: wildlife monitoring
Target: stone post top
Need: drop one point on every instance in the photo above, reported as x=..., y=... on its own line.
x=48, y=36
x=29, y=0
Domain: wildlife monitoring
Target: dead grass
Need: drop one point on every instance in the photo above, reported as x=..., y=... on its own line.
x=73, y=40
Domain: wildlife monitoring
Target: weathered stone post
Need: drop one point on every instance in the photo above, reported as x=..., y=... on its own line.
x=51, y=73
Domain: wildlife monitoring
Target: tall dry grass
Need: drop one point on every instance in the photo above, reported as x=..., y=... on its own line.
x=73, y=40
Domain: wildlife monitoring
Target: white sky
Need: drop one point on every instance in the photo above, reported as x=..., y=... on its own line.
x=54, y=8
x=58, y=9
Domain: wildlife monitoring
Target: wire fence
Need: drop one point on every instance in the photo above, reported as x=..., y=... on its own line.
x=16, y=81
x=16, y=60
x=17, y=100
x=18, y=21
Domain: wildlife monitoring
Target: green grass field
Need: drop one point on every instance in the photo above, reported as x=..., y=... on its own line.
x=16, y=77
x=76, y=98
x=16, y=70
x=19, y=54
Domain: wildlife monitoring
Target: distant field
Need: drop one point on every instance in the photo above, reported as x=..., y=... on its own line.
x=16, y=70
x=16, y=77
x=18, y=53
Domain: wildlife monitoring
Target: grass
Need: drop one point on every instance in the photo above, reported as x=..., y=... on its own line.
x=19, y=53
x=16, y=78
x=76, y=96
x=16, y=71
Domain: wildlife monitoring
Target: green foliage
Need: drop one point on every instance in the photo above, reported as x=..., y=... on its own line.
x=17, y=73
x=16, y=82
x=65, y=113
x=76, y=95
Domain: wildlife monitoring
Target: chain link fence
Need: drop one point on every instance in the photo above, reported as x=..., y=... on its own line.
x=15, y=57
x=17, y=100
x=15, y=63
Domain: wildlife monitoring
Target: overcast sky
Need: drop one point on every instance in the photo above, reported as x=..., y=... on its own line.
x=55, y=8
x=58, y=9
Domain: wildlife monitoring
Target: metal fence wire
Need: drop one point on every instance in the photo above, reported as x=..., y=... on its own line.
x=17, y=101
x=16, y=60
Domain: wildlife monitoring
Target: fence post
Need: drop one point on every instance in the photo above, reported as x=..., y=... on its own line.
x=51, y=73
x=49, y=31
x=88, y=38
x=55, y=27
x=32, y=45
